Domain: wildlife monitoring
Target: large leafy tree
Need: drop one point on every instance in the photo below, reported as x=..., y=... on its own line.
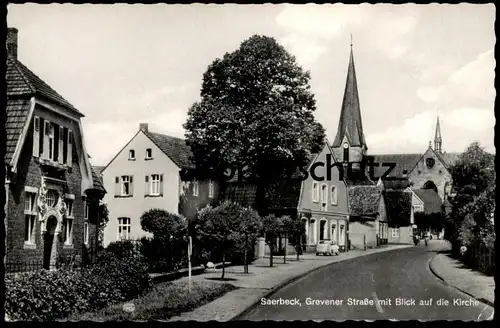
x=256, y=111
x=473, y=186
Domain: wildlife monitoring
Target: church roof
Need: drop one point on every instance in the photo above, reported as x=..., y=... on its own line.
x=350, y=124
x=404, y=164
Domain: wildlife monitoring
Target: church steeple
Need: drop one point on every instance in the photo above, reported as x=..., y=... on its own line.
x=437, y=138
x=350, y=125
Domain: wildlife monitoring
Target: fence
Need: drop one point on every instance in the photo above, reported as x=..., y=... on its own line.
x=480, y=257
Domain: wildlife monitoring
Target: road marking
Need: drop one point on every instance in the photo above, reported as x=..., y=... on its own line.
x=377, y=303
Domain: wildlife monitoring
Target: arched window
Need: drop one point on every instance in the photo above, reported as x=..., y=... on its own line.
x=430, y=185
x=346, y=152
x=52, y=197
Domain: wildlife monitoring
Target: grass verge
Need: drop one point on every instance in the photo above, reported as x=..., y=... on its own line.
x=166, y=300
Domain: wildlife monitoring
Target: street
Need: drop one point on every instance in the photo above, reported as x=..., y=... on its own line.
x=390, y=285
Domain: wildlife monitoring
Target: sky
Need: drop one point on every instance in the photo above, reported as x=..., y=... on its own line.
x=122, y=65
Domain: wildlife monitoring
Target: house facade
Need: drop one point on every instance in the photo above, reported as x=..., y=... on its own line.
x=323, y=204
x=152, y=171
x=52, y=192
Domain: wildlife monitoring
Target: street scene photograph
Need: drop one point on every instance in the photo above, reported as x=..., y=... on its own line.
x=272, y=162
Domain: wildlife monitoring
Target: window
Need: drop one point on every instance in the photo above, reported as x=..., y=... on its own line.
x=333, y=196
x=37, y=123
x=418, y=208
x=52, y=198
x=395, y=232
x=324, y=194
x=315, y=192
x=123, y=228
x=210, y=189
x=86, y=211
x=126, y=189
x=68, y=231
x=149, y=153
x=49, y=130
x=29, y=202
x=195, y=188
x=69, y=207
x=131, y=154
x=86, y=233
x=346, y=152
x=29, y=230
x=155, y=184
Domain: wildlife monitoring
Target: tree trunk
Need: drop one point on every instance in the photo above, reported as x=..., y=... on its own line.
x=298, y=248
x=271, y=250
x=284, y=254
x=223, y=265
x=246, y=264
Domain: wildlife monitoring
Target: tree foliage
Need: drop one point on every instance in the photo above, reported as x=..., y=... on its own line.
x=271, y=227
x=474, y=200
x=256, y=110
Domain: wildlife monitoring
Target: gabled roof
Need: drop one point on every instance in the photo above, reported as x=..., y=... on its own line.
x=175, y=148
x=16, y=112
x=350, y=114
x=241, y=193
x=404, y=164
x=23, y=82
x=449, y=159
x=396, y=184
x=398, y=204
x=432, y=201
x=364, y=200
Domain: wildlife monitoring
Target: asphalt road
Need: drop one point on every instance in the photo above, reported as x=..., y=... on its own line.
x=361, y=289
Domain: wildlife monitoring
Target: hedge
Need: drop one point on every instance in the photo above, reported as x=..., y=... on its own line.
x=49, y=295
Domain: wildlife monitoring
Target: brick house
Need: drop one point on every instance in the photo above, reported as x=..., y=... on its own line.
x=152, y=170
x=52, y=192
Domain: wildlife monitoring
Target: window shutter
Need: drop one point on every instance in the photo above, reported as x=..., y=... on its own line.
x=61, y=146
x=46, y=130
x=117, y=186
x=36, y=137
x=161, y=184
x=131, y=185
x=70, y=148
x=147, y=186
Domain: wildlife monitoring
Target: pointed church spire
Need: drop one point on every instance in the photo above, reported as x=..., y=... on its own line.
x=437, y=137
x=350, y=115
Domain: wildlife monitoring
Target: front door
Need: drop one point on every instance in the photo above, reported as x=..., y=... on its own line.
x=342, y=229
x=334, y=231
x=48, y=244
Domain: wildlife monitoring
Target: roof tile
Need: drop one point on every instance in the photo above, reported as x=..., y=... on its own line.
x=175, y=148
x=432, y=201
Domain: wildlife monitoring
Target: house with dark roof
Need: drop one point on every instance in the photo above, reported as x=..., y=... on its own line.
x=152, y=170
x=52, y=190
x=428, y=202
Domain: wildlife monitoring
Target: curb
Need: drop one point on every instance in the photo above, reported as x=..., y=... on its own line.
x=480, y=299
x=293, y=279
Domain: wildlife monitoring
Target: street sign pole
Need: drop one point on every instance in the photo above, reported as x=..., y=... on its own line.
x=190, y=249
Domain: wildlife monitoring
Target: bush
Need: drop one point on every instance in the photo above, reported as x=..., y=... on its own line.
x=49, y=295
x=122, y=249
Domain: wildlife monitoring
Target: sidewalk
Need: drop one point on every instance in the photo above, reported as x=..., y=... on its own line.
x=263, y=280
x=473, y=283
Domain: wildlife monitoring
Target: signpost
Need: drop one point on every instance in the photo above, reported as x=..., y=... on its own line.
x=190, y=249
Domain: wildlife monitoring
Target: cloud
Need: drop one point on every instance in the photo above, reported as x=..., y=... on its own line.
x=458, y=128
x=468, y=84
x=311, y=27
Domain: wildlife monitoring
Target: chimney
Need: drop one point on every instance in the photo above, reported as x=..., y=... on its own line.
x=143, y=127
x=12, y=42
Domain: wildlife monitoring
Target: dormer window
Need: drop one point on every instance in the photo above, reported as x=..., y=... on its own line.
x=52, y=141
x=131, y=154
x=149, y=153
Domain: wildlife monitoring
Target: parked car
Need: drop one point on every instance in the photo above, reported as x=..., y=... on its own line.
x=327, y=247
